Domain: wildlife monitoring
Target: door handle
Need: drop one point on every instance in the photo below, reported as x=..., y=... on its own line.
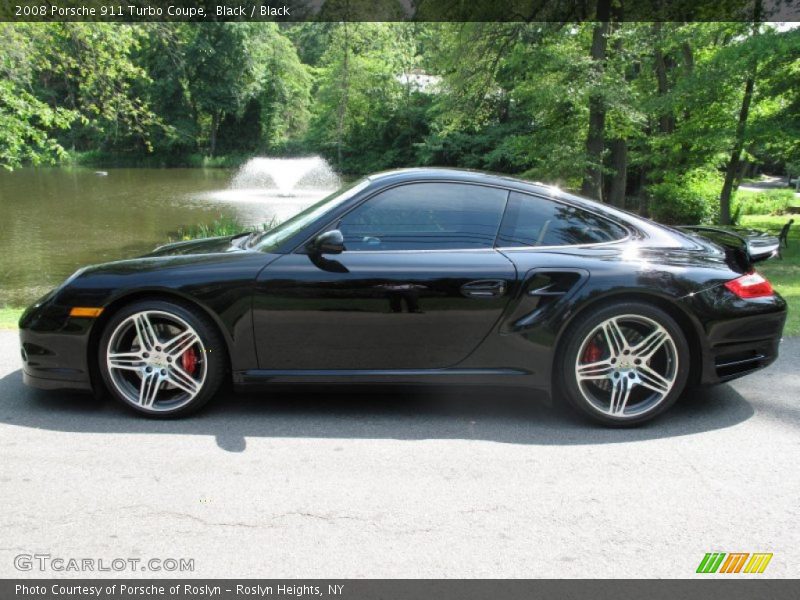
x=484, y=288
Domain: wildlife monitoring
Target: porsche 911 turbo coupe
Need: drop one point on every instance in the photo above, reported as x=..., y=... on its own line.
x=420, y=275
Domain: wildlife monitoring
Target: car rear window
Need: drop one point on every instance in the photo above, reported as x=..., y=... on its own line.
x=534, y=221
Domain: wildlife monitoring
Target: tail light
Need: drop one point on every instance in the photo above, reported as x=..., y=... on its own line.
x=751, y=285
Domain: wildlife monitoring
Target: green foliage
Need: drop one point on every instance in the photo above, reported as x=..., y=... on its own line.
x=506, y=97
x=27, y=124
x=364, y=116
x=686, y=199
x=247, y=80
x=9, y=317
x=224, y=226
x=783, y=274
x=99, y=79
x=767, y=202
x=219, y=227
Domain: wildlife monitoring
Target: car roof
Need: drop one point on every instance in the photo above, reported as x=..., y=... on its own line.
x=465, y=175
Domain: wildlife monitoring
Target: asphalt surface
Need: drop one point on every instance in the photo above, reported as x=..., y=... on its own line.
x=444, y=482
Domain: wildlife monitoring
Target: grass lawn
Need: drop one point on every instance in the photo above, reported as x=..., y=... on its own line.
x=9, y=317
x=784, y=274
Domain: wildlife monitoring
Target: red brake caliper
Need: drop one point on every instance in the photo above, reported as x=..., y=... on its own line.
x=592, y=353
x=189, y=361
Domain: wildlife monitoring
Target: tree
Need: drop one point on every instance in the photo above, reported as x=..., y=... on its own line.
x=359, y=94
x=90, y=68
x=732, y=170
x=27, y=124
x=232, y=65
x=595, y=138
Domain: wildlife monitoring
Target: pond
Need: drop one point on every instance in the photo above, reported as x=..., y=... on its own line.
x=55, y=220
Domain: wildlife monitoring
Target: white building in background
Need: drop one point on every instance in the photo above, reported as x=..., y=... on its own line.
x=421, y=82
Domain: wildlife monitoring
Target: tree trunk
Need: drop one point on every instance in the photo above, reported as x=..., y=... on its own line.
x=688, y=71
x=619, y=163
x=618, y=160
x=666, y=121
x=342, y=109
x=212, y=138
x=595, y=142
x=732, y=170
x=644, y=199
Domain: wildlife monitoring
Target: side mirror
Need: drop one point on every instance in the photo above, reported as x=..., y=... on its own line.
x=328, y=242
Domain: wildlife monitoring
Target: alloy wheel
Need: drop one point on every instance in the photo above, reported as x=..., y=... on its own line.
x=626, y=366
x=156, y=361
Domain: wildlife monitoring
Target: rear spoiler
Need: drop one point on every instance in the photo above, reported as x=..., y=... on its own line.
x=745, y=248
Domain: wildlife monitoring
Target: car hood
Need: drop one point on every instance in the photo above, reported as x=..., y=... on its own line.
x=214, y=245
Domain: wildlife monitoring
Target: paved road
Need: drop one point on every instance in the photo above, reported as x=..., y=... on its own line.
x=435, y=483
x=769, y=182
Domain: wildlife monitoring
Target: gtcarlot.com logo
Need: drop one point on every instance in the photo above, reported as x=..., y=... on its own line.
x=48, y=562
x=734, y=562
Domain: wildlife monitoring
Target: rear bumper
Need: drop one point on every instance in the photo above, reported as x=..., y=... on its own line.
x=738, y=346
x=729, y=360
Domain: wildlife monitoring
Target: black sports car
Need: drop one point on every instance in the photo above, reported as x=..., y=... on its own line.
x=419, y=275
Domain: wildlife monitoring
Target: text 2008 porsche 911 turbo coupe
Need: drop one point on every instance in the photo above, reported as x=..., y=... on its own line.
x=433, y=275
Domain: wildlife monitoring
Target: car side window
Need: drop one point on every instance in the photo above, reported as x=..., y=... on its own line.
x=534, y=221
x=426, y=216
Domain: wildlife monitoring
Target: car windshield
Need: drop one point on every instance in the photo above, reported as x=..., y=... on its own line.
x=268, y=241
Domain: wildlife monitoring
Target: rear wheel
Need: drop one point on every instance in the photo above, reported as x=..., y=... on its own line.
x=161, y=358
x=625, y=363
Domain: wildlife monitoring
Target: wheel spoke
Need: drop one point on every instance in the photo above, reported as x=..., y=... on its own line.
x=650, y=345
x=129, y=361
x=620, y=392
x=148, y=388
x=181, y=379
x=601, y=369
x=145, y=331
x=181, y=343
x=615, y=338
x=651, y=379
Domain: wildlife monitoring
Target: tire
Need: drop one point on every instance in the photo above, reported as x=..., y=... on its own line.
x=161, y=358
x=628, y=380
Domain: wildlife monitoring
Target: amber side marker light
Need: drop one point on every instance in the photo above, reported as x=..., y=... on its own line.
x=751, y=285
x=85, y=311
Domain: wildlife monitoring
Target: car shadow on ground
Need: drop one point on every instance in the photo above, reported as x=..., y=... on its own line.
x=505, y=415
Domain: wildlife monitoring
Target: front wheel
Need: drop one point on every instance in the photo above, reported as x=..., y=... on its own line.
x=161, y=358
x=625, y=363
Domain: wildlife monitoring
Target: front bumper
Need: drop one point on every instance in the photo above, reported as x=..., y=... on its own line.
x=55, y=357
x=43, y=383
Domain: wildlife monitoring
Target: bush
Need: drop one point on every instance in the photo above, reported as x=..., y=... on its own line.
x=769, y=202
x=217, y=228
x=224, y=226
x=686, y=199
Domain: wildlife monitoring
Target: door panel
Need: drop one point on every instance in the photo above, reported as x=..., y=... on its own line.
x=378, y=310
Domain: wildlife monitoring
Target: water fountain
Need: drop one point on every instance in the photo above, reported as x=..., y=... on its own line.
x=265, y=188
x=287, y=175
